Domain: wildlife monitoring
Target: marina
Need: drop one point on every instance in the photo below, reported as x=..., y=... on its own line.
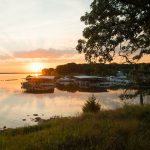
x=16, y=104
x=40, y=84
x=45, y=84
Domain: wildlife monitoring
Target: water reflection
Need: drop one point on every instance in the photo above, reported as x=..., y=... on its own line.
x=15, y=105
x=132, y=94
x=74, y=89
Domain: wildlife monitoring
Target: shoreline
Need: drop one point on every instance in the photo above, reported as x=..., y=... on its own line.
x=118, y=129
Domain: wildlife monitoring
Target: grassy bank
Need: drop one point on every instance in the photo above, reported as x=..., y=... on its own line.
x=122, y=129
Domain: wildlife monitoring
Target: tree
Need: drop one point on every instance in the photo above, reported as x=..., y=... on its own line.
x=48, y=71
x=91, y=106
x=130, y=94
x=116, y=27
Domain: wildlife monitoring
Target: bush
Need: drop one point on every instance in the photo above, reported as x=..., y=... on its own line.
x=91, y=105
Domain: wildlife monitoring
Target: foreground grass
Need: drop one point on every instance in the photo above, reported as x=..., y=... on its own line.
x=122, y=129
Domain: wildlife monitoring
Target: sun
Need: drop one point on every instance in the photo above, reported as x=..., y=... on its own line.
x=36, y=67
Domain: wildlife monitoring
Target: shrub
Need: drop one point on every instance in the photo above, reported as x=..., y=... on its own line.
x=91, y=105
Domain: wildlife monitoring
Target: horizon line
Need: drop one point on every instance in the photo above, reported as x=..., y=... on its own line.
x=20, y=72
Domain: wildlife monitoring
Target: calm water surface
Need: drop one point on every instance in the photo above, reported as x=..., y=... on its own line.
x=16, y=105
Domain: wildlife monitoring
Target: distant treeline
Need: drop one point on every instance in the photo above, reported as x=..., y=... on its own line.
x=97, y=69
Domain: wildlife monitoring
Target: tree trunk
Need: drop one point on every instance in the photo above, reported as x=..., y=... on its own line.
x=141, y=98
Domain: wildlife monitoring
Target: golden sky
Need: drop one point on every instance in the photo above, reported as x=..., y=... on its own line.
x=37, y=34
x=42, y=31
x=36, y=60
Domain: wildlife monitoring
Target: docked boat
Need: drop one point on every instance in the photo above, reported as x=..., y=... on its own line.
x=65, y=81
x=39, y=84
x=89, y=82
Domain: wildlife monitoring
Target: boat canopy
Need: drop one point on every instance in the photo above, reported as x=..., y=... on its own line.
x=41, y=77
x=88, y=77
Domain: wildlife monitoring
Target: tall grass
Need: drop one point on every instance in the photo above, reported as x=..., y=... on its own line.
x=122, y=129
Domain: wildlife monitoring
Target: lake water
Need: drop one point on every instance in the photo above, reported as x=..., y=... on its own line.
x=16, y=105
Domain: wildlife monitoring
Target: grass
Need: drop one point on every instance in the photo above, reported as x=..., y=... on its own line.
x=122, y=129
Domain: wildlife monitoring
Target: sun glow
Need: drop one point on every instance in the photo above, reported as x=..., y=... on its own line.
x=36, y=67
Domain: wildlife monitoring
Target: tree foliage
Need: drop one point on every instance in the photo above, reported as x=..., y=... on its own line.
x=100, y=69
x=116, y=26
x=91, y=106
x=49, y=71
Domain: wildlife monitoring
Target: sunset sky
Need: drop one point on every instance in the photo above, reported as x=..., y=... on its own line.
x=40, y=32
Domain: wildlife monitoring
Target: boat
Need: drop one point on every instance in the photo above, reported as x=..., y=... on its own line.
x=65, y=81
x=39, y=84
x=89, y=82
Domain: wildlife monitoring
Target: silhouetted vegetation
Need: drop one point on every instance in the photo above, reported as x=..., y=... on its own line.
x=98, y=69
x=121, y=129
x=131, y=94
x=91, y=105
x=49, y=71
x=116, y=28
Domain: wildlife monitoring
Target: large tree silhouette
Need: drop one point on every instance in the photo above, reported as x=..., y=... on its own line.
x=116, y=26
x=129, y=94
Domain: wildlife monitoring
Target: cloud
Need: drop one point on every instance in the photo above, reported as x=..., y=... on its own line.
x=43, y=53
x=50, y=55
x=30, y=24
x=5, y=54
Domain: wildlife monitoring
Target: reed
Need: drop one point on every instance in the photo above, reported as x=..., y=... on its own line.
x=122, y=129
